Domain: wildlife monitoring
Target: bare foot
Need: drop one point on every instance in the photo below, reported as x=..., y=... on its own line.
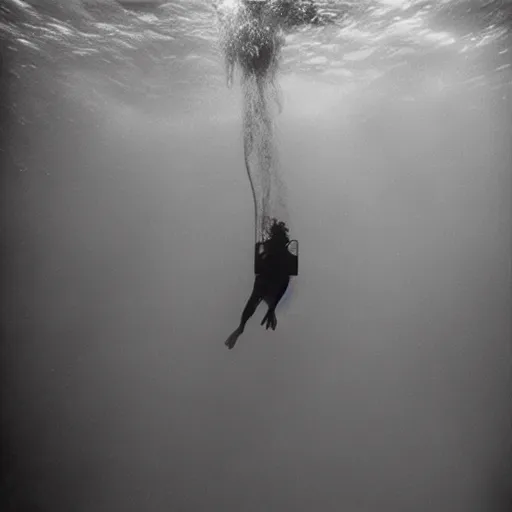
x=231, y=341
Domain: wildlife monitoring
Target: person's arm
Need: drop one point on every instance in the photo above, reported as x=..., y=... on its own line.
x=281, y=292
x=270, y=317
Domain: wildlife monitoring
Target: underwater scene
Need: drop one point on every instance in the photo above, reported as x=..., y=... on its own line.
x=331, y=179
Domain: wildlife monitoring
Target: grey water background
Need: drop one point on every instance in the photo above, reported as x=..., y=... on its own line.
x=127, y=238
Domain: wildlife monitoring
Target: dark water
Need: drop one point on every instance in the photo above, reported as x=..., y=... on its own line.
x=127, y=238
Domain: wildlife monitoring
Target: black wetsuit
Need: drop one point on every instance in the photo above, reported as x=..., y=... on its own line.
x=271, y=284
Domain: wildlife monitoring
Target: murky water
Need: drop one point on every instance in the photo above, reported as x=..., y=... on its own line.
x=127, y=239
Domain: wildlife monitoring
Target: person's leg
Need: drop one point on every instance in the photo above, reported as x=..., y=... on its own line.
x=249, y=310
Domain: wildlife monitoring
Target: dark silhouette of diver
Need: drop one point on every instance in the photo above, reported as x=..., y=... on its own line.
x=271, y=283
x=254, y=39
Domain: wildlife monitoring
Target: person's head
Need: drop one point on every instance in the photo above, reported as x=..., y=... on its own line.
x=279, y=231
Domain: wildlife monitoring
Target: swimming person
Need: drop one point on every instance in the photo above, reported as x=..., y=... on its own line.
x=271, y=284
x=252, y=40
